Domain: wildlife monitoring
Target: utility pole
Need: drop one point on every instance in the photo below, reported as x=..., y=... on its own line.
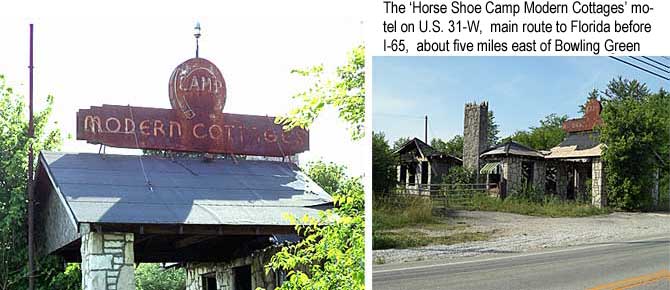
x=31, y=195
x=425, y=129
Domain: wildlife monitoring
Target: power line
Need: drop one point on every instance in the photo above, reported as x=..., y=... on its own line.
x=651, y=65
x=658, y=62
x=640, y=68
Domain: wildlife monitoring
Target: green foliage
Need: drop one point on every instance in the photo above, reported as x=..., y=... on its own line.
x=383, y=164
x=636, y=133
x=549, y=206
x=397, y=211
x=332, y=252
x=327, y=175
x=154, y=277
x=70, y=279
x=544, y=137
x=459, y=175
x=346, y=93
x=14, y=144
x=452, y=147
x=398, y=143
x=411, y=238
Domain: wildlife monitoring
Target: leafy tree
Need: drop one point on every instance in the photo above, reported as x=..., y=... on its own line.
x=332, y=252
x=452, y=147
x=346, y=93
x=636, y=132
x=152, y=276
x=327, y=175
x=544, y=137
x=14, y=144
x=398, y=143
x=383, y=164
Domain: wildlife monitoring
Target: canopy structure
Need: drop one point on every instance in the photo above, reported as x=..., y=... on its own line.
x=489, y=168
x=165, y=200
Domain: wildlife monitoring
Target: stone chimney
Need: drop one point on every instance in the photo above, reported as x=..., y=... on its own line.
x=475, y=133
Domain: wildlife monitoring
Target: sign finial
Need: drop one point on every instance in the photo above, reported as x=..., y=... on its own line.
x=196, y=33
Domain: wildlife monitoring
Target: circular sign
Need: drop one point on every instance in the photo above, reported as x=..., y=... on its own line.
x=197, y=88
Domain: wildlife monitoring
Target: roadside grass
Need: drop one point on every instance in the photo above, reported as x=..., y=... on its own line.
x=409, y=238
x=408, y=222
x=402, y=211
x=548, y=207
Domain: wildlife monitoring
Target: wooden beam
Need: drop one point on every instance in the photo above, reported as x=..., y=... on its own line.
x=202, y=230
x=185, y=242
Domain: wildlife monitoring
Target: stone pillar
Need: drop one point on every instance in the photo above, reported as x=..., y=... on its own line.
x=475, y=134
x=107, y=260
x=598, y=193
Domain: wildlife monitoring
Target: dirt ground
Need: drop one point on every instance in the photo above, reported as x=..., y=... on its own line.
x=515, y=233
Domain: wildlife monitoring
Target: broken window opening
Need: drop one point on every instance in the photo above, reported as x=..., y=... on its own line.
x=209, y=281
x=242, y=277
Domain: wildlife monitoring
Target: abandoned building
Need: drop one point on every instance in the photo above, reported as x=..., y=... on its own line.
x=422, y=165
x=513, y=166
x=221, y=219
x=565, y=170
x=572, y=170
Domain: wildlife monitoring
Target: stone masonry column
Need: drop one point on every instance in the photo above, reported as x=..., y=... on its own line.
x=598, y=194
x=107, y=260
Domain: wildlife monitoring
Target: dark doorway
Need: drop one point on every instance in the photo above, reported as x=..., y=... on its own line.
x=411, y=170
x=403, y=174
x=570, y=192
x=209, y=281
x=242, y=278
x=527, y=168
x=424, y=172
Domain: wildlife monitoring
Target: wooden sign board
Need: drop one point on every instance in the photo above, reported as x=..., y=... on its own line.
x=195, y=123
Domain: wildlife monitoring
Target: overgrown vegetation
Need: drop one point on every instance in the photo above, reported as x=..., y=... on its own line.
x=549, y=206
x=549, y=134
x=383, y=163
x=407, y=221
x=14, y=144
x=151, y=276
x=637, y=133
x=332, y=253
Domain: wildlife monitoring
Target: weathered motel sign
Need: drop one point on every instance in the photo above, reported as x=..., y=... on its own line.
x=195, y=123
x=590, y=120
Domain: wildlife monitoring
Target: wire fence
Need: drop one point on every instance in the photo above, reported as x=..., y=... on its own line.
x=451, y=196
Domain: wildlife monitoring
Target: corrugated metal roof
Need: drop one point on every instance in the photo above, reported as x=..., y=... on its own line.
x=512, y=148
x=112, y=189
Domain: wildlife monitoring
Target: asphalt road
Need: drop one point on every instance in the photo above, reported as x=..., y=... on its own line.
x=606, y=266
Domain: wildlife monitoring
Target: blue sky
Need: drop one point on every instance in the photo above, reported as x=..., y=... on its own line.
x=520, y=90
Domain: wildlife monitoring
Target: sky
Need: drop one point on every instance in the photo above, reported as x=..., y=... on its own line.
x=520, y=90
x=89, y=53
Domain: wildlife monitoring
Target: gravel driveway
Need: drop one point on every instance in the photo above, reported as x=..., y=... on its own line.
x=518, y=233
